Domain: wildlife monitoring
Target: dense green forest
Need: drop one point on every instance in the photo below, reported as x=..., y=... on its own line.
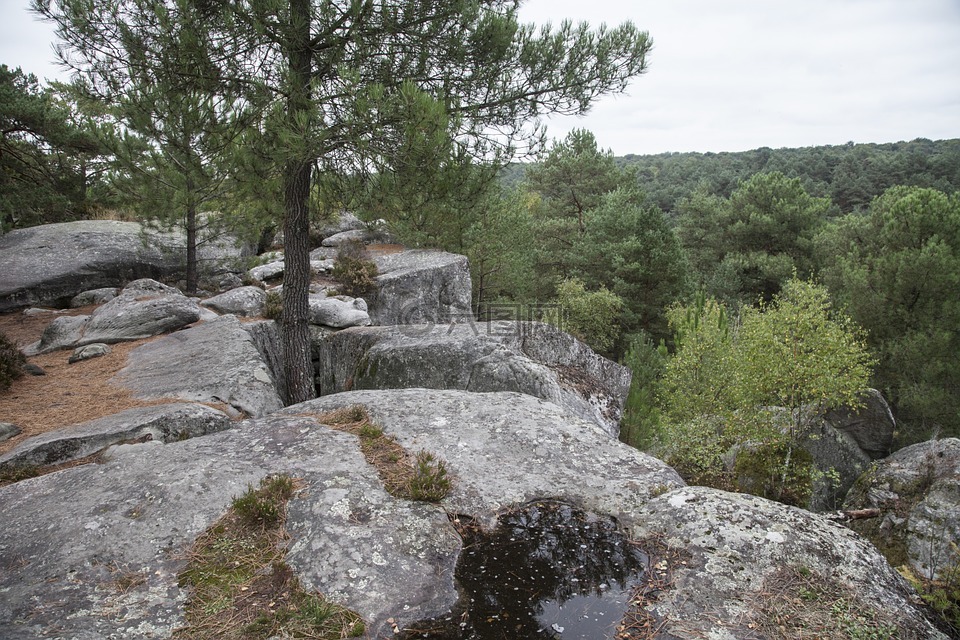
x=851, y=175
x=726, y=281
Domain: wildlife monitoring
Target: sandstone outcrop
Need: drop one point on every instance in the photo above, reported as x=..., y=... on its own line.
x=161, y=423
x=144, y=308
x=739, y=552
x=917, y=490
x=242, y=301
x=216, y=361
x=384, y=557
x=527, y=357
x=418, y=286
x=50, y=264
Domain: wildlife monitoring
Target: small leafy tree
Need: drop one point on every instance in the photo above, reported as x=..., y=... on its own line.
x=731, y=388
x=591, y=316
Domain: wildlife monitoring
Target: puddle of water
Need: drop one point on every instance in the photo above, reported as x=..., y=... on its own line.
x=549, y=570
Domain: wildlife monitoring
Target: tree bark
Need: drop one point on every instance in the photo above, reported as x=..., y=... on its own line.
x=295, y=332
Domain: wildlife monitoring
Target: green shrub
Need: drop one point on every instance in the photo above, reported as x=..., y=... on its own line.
x=11, y=362
x=273, y=307
x=353, y=270
x=263, y=507
x=429, y=482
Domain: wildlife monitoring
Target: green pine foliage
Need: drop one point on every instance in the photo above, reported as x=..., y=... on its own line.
x=896, y=269
x=11, y=362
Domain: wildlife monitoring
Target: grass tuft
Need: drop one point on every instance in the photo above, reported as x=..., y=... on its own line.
x=423, y=477
x=241, y=587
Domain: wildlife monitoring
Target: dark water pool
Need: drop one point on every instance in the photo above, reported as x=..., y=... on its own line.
x=549, y=570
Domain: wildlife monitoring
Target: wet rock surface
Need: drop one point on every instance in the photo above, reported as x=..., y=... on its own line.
x=383, y=557
x=547, y=570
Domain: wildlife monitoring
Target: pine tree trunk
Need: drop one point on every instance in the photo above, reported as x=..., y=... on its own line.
x=192, y=249
x=298, y=367
x=295, y=333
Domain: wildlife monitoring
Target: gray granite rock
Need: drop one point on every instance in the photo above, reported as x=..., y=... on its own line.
x=215, y=361
x=95, y=350
x=732, y=548
x=144, y=308
x=527, y=357
x=418, y=286
x=917, y=490
x=871, y=426
x=384, y=557
x=338, y=312
x=162, y=423
x=50, y=264
x=267, y=271
x=94, y=296
x=242, y=301
x=8, y=430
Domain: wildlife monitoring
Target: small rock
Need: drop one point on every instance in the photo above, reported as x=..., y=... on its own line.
x=8, y=430
x=89, y=351
x=229, y=281
x=34, y=369
x=267, y=271
x=242, y=301
x=94, y=296
x=338, y=313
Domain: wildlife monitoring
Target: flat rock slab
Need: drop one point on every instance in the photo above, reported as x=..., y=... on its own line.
x=733, y=543
x=216, y=361
x=160, y=423
x=527, y=357
x=420, y=286
x=381, y=556
x=509, y=448
x=137, y=514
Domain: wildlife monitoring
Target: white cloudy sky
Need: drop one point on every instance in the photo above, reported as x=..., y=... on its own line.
x=734, y=74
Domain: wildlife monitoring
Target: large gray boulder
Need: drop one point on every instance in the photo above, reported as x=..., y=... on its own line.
x=419, y=287
x=338, y=312
x=143, y=309
x=161, y=423
x=49, y=264
x=386, y=558
x=527, y=357
x=917, y=490
x=242, y=301
x=734, y=557
x=216, y=361
x=871, y=426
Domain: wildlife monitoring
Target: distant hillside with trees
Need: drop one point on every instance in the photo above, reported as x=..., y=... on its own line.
x=851, y=175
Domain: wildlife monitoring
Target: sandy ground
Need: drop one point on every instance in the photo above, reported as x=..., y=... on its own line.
x=68, y=393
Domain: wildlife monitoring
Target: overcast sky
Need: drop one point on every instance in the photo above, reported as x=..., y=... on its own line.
x=732, y=75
